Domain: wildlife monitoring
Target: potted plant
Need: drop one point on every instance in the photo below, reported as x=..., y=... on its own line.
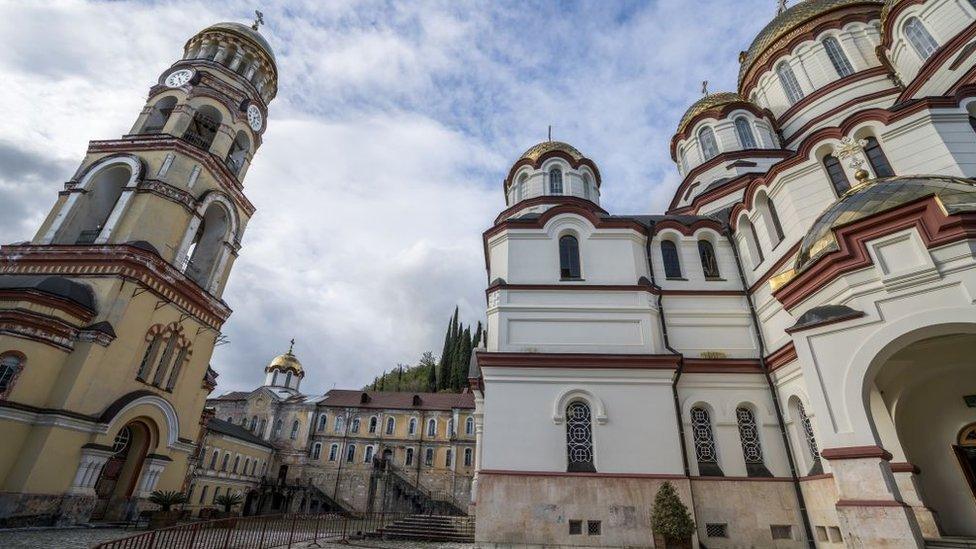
x=228, y=501
x=670, y=521
x=166, y=516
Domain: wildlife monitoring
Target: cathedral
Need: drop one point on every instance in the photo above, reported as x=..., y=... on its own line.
x=790, y=345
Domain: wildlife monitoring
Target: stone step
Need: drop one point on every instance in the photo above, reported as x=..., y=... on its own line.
x=951, y=543
x=430, y=528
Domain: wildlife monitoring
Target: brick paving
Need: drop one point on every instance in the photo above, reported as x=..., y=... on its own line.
x=58, y=538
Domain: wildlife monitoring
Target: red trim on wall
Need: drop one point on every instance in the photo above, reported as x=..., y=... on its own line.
x=573, y=163
x=721, y=366
x=941, y=57
x=548, y=199
x=855, y=452
x=725, y=189
x=905, y=467
x=745, y=479
x=577, y=360
x=693, y=174
x=649, y=476
x=827, y=89
x=776, y=267
x=781, y=357
x=842, y=318
x=840, y=108
x=869, y=503
x=46, y=300
x=688, y=230
x=719, y=113
x=822, y=476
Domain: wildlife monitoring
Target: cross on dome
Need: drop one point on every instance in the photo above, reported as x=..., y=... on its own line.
x=258, y=19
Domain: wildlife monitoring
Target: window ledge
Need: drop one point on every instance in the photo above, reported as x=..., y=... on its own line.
x=714, y=279
x=572, y=280
x=677, y=278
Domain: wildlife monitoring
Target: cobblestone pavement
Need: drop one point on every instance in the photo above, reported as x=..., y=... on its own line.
x=60, y=538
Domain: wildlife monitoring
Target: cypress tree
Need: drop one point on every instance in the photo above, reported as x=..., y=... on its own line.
x=476, y=342
x=446, y=360
x=430, y=365
x=462, y=360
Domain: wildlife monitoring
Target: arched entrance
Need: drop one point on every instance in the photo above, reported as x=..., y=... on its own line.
x=922, y=402
x=121, y=472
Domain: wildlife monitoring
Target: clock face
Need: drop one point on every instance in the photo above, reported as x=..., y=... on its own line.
x=254, y=118
x=179, y=78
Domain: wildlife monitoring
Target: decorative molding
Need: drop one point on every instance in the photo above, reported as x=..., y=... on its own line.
x=855, y=452
x=577, y=360
x=570, y=395
x=548, y=199
x=781, y=357
x=827, y=89
x=940, y=58
x=573, y=163
x=721, y=366
x=649, y=476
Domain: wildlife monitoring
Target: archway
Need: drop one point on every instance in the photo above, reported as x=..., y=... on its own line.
x=205, y=248
x=120, y=475
x=922, y=400
x=92, y=210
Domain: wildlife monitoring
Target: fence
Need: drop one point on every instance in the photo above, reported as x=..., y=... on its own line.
x=260, y=532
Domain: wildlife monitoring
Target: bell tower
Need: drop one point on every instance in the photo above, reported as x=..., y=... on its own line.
x=109, y=315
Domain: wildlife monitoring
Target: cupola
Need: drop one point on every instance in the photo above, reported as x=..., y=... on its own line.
x=240, y=49
x=285, y=370
x=552, y=169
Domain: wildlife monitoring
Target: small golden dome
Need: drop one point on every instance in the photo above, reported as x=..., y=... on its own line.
x=785, y=22
x=707, y=102
x=287, y=361
x=536, y=151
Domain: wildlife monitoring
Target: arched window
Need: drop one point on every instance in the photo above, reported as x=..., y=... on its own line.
x=920, y=38
x=316, y=450
x=431, y=428
x=408, y=460
x=469, y=426
x=586, y=186
x=752, y=242
x=213, y=459
x=877, y=158
x=203, y=494
x=288, y=379
x=806, y=426
x=294, y=430
x=569, y=261
x=223, y=462
x=837, y=57
x=277, y=429
x=771, y=219
x=520, y=187
x=705, y=452
x=91, y=211
x=450, y=427
x=579, y=438
x=555, y=181
x=751, y=446
x=372, y=424
x=207, y=244
x=333, y=452
x=669, y=254
x=237, y=462
x=706, y=140
x=254, y=423
x=323, y=421
x=166, y=359
x=789, y=83
x=838, y=177
x=159, y=115
x=203, y=128
x=354, y=426
x=368, y=454
x=237, y=153
x=744, y=131
x=149, y=357
x=247, y=465
x=468, y=457
x=429, y=457
x=412, y=427
x=447, y=458
x=708, y=260
x=351, y=453
x=390, y=425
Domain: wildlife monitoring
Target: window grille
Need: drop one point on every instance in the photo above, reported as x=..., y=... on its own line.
x=555, y=181
x=669, y=254
x=9, y=366
x=579, y=437
x=701, y=428
x=781, y=531
x=749, y=434
x=569, y=262
x=717, y=530
x=593, y=527
x=789, y=83
x=837, y=57
x=706, y=140
x=877, y=158
x=576, y=528
x=808, y=432
x=121, y=441
x=920, y=38
x=838, y=177
x=746, y=138
x=709, y=263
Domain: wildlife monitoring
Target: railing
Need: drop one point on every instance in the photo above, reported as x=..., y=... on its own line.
x=260, y=532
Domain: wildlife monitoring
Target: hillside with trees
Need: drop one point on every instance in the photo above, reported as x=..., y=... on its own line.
x=448, y=374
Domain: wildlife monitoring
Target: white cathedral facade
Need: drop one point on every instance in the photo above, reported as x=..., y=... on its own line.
x=792, y=344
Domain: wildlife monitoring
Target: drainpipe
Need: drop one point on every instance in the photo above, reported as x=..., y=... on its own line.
x=801, y=502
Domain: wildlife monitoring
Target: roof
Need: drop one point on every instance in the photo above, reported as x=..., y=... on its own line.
x=402, y=401
x=707, y=102
x=782, y=24
x=878, y=195
x=56, y=286
x=246, y=32
x=233, y=395
x=236, y=431
x=536, y=151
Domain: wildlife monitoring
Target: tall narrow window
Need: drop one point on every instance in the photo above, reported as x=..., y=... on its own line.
x=469, y=426
x=149, y=357
x=174, y=373
x=237, y=153
x=468, y=457
x=586, y=186
x=431, y=428
x=429, y=457
x=751, y=446
x=705, y=453
x=351, y=453
x=294, y=430
x=223, y=462
x=838, y=177
x=390, y=425
x=354, y=426
x=237, y=463
x=254, y=423
x=744, y=131
x=333, y=452
x=706, y=140
x=412, y=426
x=408, y=459
x=203, y=127
x=669, y=254
x=372, y=424
x=877, y=158
x=368, y=454
x=316, y=451
x=789, y=83
x=203, y=494
x=262, y=425
x=569, y=262
x=159, y=115
x=340, y=424
x=555, y=181
x=323, y=421
x=811, y=438
x=920, y=38
x=837, y=57
x=972, y=122
x=520, y=187
x=579, y=438
x=164, y=362
x=752, y=242
x=770, y=218
x=447, y=458
x=708, y=260
x=277, y=429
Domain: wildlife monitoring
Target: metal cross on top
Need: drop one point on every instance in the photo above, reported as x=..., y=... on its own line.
x=704, y=87
x=781, y=7
x=853, y=149
x=258, y=19
x=292, y=346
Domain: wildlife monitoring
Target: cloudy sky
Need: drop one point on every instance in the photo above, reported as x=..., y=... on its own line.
x=394, y=125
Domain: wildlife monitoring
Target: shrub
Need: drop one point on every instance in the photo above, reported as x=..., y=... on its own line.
x=166, y=500
x=228, y=501
x=670, y=517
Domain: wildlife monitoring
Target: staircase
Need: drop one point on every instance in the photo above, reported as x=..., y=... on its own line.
x=951, y=543
x=431, y=528
x=401, y=494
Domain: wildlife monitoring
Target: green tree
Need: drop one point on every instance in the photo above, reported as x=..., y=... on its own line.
x=228, y=501
x=670, y=517
x=166, y=500
x=428, y=363
x=446, y=364
x=462, y=360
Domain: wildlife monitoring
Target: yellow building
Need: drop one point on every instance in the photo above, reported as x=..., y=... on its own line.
x=109, y=315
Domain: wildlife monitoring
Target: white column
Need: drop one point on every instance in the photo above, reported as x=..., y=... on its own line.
x=151, y=471
x=89, y=468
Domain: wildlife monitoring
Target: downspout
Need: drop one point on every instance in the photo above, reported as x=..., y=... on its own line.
x=801, y=502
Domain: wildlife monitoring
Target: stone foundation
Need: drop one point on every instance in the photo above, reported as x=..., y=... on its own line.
x=748, y=508
x=20, y=510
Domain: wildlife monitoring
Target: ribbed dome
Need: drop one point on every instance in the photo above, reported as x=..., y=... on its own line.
x=875, y=196
x=536, y=151
x=287, y=361
x=791, y=18
x=707, y=102
x=245, y=32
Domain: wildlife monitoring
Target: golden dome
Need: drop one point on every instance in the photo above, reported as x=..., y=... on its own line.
x=707, y=102
x=287, y=361
x=875, y=196
x=782, y=24
x=536, y=151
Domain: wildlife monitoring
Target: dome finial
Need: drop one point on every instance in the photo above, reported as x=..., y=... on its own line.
x=292, y=346
x=704, y=87
x=781, y=7
x=258, y=19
